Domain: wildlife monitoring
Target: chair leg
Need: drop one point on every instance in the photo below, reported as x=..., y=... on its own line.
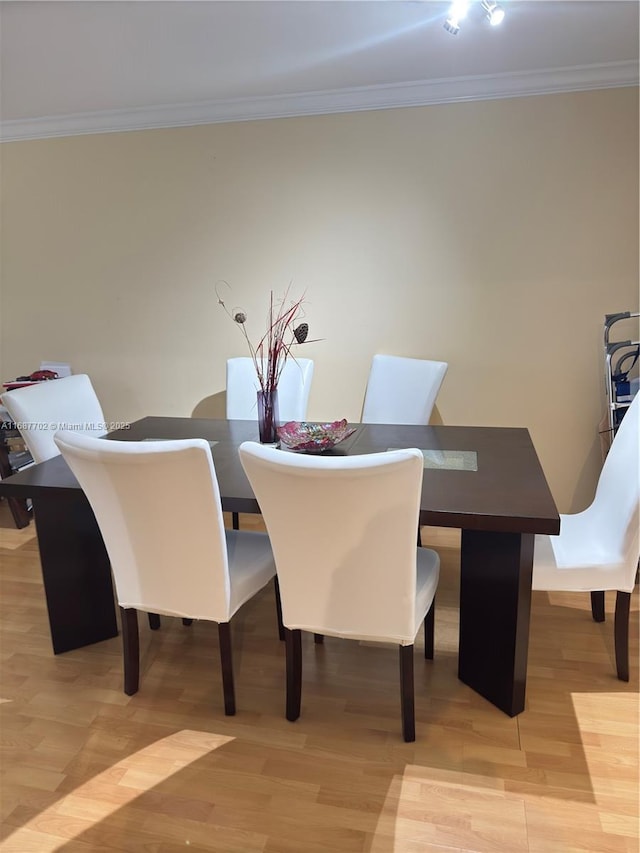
x=407, y=694
x=130, y=649
x=419, y=537
x=293, y=640
x=276, y=586
x=318, y=639
x=187, y=622
x=429, y=631
x=226, y=663
x=597, y=605
x=621, y=633
x=235, y=521
x=154, y=621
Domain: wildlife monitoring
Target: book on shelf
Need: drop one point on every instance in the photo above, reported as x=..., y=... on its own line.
x=20, y=459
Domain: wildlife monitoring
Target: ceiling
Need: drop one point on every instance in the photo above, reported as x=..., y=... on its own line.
x=85, y=67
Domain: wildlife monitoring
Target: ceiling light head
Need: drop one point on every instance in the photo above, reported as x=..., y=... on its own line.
x=457, y=12
x=495, y=13
x=452, y=25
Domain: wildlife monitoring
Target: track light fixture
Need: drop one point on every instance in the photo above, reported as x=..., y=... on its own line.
x=459, y=8
x=495, y=13
x=457, y=12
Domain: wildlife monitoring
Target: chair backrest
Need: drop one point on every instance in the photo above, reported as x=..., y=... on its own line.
x=40, y=410
x=402, y=390
x=614, y=514
x=293, y=389
x=343, y=533
x=157, y=504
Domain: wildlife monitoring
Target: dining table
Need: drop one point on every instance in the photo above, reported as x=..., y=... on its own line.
x=486, y=481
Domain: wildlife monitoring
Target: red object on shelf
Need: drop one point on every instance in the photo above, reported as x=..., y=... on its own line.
x=34, y=379
x=37, y=375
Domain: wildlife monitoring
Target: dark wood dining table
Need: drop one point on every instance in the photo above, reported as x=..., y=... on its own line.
x=486, y=481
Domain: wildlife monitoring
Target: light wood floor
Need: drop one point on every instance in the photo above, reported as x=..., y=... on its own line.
x=86, y=768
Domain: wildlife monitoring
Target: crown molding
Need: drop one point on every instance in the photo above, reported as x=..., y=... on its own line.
x=413, y=94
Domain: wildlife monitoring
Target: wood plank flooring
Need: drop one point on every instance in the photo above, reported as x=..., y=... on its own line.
x=86, y=768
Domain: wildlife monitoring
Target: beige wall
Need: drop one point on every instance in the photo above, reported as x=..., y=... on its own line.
x=492, y=235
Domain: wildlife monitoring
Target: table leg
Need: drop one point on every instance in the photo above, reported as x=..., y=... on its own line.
x=495, y=607
x=76, y=573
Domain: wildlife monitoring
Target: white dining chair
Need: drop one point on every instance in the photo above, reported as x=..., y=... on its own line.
x=294, y=387
x=168, y=557
x=598, y=549
x=402, y=390
x=40, y=410
x=342, y=530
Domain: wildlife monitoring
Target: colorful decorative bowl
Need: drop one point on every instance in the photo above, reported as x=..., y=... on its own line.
x=313, y=438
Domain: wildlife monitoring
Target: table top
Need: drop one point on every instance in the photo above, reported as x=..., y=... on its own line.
x=508, y=492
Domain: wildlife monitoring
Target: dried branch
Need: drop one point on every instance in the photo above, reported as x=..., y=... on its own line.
x=274, y=347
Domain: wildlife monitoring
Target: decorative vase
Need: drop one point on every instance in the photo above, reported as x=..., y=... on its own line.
x=268, y=416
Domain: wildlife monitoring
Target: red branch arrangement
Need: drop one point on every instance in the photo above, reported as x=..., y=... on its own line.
x=283, y=332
